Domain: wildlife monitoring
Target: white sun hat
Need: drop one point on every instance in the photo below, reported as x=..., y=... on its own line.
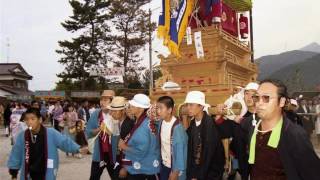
x=252, y=86
x=196, y=97
x=170, y=86
x=140, y=101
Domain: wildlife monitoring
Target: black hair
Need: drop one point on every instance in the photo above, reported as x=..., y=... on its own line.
x=167, y=101
x=66, y=108
x=33, y=102
x=281, y=88
x=84, y=101
x=34, y=111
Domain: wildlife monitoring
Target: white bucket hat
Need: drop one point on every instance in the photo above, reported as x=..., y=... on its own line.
x=252, y=86
x=140, y=101
x=196, y=97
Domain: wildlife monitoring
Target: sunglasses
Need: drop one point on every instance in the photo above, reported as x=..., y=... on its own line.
x=265, y=98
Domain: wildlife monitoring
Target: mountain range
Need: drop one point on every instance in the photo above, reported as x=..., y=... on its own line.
x=298, y=69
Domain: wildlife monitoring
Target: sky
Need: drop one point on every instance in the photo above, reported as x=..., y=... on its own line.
x=33, y=30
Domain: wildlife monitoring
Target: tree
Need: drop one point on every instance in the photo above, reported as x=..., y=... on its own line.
x=93, y=84
x=131, y=26
x=145, y=81
x=88, y=48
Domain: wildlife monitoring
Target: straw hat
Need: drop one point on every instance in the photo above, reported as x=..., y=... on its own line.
x=118, y=103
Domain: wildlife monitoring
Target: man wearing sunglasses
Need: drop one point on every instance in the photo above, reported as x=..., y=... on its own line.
x=279, y=149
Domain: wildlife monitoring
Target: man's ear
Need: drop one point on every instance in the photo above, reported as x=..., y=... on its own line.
x=40, y=120
x=282, y=102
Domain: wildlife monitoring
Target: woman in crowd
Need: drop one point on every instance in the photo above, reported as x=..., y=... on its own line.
x=70, y=118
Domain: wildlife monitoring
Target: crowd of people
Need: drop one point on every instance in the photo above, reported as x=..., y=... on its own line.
x=138, y=140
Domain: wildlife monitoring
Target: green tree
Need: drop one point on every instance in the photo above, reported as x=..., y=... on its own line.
x=145, y=81
x=87, y=49
x=131, y=25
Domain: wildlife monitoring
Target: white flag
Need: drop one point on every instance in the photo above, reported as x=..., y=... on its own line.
x=198, y=44
x=189, y=36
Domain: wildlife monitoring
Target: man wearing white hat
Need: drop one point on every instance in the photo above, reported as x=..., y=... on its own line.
x=105, y=146
x=140, y=147
x=240, y=142
x=205, y=151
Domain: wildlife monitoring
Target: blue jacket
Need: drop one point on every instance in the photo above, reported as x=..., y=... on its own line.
x=55, y=141
x=93, y=124
x=143, y=151
x=179, y=150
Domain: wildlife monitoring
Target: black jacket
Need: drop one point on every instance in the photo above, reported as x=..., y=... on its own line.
x=240, y=144
x=294, y=117
x=6, y=115
x=126, y=127
x=212, y=156
x=299, y=159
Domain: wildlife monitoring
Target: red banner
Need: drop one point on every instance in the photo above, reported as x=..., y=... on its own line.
x=229, y=20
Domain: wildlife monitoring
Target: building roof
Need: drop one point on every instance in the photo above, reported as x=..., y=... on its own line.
x=14, y=90
x=14, y=69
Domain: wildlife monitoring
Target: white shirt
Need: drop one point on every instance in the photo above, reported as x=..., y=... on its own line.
x=111, y=124
x=50, y=109
x=198, y=123
x=166, y=141
x=305, y=108
x=91, y=110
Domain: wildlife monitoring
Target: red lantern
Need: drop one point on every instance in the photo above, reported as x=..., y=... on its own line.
x=244, y=29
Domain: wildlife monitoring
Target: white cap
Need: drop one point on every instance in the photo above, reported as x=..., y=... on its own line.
x=140, y=101
x=252, y=86
x=293, y=102
x=196, y=97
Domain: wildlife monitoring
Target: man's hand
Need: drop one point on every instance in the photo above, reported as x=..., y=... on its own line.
x=227, y=166
x=174, y=175
x=123, y=173
x=104, y=129
x=95, y=131
x=83, y=150
x=238, y=119
x=102, y=126
x=122, y=145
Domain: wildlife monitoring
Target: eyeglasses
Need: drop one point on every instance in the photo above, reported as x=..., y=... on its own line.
x=265, y=98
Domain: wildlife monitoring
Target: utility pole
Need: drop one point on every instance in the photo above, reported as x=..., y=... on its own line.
x=150, y=52
x=251, y=36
